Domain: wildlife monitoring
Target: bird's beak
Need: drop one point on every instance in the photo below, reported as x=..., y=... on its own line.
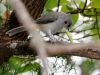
x=67, y=28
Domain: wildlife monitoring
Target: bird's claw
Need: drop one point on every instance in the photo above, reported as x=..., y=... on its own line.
x=54, y=40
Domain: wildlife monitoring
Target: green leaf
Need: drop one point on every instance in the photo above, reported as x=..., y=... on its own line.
x=78, y=1
x=94, y=31
x=72, y=65
x=64, y=2
x=98, y=23
x=81, y=5
x=1, y=20
x=95, y=3
x=15, y=63
x=46, y=10
x=0, y=71
x=95, y=38
x=88, y=66
x=7, y=73
x=34, y=67
x=74, y=19
x=69, y=7
x=90, y=12
x=64, y=8
x=98, y=10
x=51, y=4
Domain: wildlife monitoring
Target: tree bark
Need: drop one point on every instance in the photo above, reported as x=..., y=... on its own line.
x=35, y=8
x=89, y=50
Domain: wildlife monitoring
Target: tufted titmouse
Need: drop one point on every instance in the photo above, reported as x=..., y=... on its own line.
x=49, y=24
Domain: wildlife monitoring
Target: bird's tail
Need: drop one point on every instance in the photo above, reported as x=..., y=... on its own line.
x=16, y=30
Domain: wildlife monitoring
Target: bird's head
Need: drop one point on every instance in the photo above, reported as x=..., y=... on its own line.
x=66, y=20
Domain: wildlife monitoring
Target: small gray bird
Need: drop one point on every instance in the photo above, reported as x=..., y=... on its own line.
x=49, y=24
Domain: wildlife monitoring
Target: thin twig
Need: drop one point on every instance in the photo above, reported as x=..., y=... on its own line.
x=75, y=4
x=84, y=6
x=84, y=30
x=97, y=24
x=85, y=36
x=79, y=11
x=58, y=4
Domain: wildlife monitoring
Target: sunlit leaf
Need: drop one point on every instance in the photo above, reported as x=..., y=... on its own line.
x=81, y=5
x=87, y=66
x=95, y=3
x=46, y=10
x=7, y=73
x=64, y=8
x=64, y=2
x=15, y=63
x=69, y=7
x=95, y=38
x=30, y=67
x=74, y=19
x=51, y=4
x=89, y=12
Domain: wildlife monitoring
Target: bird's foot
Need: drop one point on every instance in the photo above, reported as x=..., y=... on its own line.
x=54, y=40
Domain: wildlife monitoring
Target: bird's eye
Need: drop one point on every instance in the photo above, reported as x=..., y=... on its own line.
x=65, y=22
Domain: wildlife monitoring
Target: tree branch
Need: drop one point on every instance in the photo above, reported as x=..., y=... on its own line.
x=58, y=4
x=89, y=50
x=84, y=6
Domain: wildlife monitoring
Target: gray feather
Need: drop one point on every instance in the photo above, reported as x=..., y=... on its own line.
x=16, y=30
x=48, y=18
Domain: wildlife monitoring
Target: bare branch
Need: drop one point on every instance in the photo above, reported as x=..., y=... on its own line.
x=75, y=4
x=84, y=6
x=90, y=50
x=58, y=4
x=76, y=11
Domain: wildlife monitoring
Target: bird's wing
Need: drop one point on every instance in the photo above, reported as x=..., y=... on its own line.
x=48, y=18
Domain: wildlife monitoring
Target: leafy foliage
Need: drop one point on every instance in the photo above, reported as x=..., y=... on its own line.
x=95, y=3
x=18, y=65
